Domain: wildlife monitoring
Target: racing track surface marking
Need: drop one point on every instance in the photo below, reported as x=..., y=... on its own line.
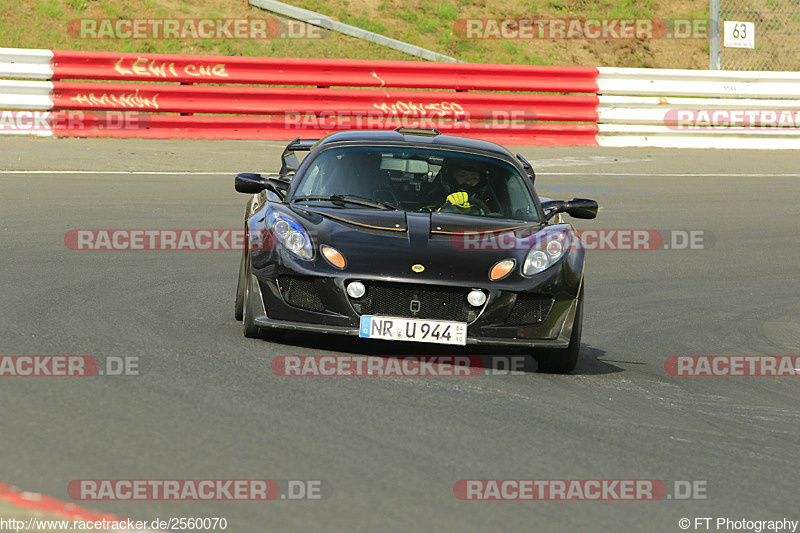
x=23, y=505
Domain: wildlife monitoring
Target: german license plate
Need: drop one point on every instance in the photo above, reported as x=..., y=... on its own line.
x=413, y=329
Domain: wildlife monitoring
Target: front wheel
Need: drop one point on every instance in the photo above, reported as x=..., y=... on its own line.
x=564, y=360
x=250, y=329
x=239, y=308
x=251, y=300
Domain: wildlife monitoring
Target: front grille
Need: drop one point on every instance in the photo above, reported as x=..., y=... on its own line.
x=406, y=300
x=300, y=292
x=529, y=309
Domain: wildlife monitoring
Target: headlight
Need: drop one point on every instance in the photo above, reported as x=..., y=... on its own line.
x=281, y=228
x=548, y=249
x=292, y=235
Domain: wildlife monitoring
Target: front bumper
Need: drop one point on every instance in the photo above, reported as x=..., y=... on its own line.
x=336, y=314
x=561, y=342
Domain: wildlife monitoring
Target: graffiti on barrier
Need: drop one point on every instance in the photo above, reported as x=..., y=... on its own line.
x=141, y=67
x=125, y=100
x=400, y=107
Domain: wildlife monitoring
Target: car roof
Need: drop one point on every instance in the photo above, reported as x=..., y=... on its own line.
x=429, y=138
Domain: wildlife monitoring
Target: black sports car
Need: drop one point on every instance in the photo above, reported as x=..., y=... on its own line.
x=416, y=236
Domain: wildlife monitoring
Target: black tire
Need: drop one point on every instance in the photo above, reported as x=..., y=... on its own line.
x=239, y=310
x=250, y=329
x=251, y=300
x=564, y=360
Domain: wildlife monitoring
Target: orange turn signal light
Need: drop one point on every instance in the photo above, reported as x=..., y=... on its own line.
x=502, y=269
x=333, y=256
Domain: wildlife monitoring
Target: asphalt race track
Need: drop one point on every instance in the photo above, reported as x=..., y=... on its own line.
x=207, y=405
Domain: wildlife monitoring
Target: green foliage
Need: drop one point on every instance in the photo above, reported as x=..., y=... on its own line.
x=51, y=9
x=426, y=23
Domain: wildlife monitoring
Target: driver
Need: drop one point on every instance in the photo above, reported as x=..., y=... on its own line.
x=462, y=188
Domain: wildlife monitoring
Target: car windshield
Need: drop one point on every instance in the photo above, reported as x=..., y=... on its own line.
x=416, y=179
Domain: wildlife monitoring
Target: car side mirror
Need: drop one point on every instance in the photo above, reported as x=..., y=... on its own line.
x=576, y=208
x=250, y=183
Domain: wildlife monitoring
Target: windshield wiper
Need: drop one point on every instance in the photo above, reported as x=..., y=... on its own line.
x=342, y=199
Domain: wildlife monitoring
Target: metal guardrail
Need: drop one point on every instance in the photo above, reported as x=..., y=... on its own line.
x=226, y=97
x=258, y=98
x=674, y=108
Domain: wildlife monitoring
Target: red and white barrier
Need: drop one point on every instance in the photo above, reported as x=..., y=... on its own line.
x=26, y=64
x=179, y=96
x=673, y=108
x=89, y=94
x=17, y=94
x=109, y=66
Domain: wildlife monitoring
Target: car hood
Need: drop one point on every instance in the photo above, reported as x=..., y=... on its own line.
x=450, y=248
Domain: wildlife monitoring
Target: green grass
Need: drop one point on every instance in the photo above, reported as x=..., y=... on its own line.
x=426, y=23
x=447, y=11
x=374, y=26
x=51, y=8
